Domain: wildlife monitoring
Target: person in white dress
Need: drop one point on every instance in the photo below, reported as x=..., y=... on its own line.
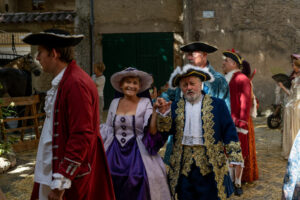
x=291, y=123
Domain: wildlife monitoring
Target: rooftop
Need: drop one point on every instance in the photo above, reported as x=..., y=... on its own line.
x=13, y=18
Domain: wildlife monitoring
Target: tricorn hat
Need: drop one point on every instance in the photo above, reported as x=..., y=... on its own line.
x=53, y=38
x=198, y=46
x=234, y=56
x=145, y=78
x=189, y=70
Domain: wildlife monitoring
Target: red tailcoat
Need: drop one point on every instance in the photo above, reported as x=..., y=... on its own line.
x=240, y=101
x=78, y=152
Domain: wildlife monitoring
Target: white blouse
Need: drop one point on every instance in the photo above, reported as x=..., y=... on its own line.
x=43, y=169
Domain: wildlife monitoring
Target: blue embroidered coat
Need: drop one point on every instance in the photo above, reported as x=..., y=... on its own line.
x=218, y=88
x=219, y=135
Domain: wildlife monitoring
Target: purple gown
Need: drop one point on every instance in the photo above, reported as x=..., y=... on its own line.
x=137, y=170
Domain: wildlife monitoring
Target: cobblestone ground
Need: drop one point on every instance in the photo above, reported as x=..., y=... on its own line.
x=271, y=164
x=17, y=183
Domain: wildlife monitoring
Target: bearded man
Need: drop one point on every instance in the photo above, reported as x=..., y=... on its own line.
x=202, y=131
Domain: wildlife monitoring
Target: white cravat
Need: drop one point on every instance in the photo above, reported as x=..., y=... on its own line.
x=43, y=168
x=192, y=134
x=229, y=75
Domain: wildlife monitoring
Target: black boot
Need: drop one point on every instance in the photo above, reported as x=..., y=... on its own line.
x=238, y=191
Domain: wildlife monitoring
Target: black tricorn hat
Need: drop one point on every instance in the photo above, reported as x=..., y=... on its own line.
x=198, y=46
x=234, y=56
x=53, y=38
x=189, y=70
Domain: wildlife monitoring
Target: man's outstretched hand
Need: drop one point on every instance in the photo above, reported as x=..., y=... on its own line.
x=162, y=105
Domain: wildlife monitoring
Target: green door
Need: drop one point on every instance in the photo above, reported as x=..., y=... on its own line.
x=150, y=52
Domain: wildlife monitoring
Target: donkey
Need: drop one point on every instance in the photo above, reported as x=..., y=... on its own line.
x=15, y=77
x=27, y=63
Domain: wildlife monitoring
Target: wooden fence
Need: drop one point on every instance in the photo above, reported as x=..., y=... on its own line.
x=31, y=113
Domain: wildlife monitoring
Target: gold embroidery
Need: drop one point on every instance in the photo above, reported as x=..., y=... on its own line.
x=197, y=154
x=176, y=155
x=210, y=157
x=164, y=124
x=233, y=150
x=215, y=152
x=187, y=160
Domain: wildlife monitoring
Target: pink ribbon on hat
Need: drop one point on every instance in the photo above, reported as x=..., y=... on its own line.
x=297, y=56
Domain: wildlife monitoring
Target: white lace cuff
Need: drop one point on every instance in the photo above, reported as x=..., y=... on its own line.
x=165, y=114
x=241, y=130
x=238, y=163
x=60, y=182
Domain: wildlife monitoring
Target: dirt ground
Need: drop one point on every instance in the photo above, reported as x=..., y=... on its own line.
x=17, y=182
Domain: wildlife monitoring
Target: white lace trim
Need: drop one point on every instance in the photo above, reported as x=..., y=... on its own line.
x=51, y=94
x=192, y=140
x=60, y=182
x=192, y=133
x=229, y=75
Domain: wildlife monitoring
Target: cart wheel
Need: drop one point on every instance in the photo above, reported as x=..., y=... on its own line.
x=273, y=121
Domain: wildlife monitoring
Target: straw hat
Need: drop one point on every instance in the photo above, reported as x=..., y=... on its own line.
x=145, y=78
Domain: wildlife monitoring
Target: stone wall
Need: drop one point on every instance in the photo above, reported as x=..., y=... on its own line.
x=82, y=26
x=134, y=16
x=138, y=16
x=26, y=5
x=40, y=83
x=10, y=4
x=264, y=32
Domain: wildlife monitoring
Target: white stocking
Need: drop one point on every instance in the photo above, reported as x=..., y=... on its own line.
x=238, y=179
x=232, y=173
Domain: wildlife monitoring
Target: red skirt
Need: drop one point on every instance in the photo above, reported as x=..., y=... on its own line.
x=250, y=172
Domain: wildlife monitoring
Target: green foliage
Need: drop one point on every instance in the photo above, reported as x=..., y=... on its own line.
x=6, y=145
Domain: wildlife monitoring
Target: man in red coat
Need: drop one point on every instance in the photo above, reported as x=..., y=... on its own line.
x=240, y=101
x=71, y=162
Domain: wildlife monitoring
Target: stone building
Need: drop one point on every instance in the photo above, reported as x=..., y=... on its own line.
x=20, y=17
x=139, y=33
x=147, y=33
x=266, y=33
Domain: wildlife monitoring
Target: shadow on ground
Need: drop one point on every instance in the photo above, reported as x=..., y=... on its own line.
x=17, y=183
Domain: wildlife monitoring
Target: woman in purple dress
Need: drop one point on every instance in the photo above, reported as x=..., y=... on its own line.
x=137, y=170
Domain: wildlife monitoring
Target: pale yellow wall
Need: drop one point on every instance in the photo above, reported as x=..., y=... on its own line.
x=130, y=16
x=12, y=5
x=2, y=8
x=60, y=5
x=136, y=16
